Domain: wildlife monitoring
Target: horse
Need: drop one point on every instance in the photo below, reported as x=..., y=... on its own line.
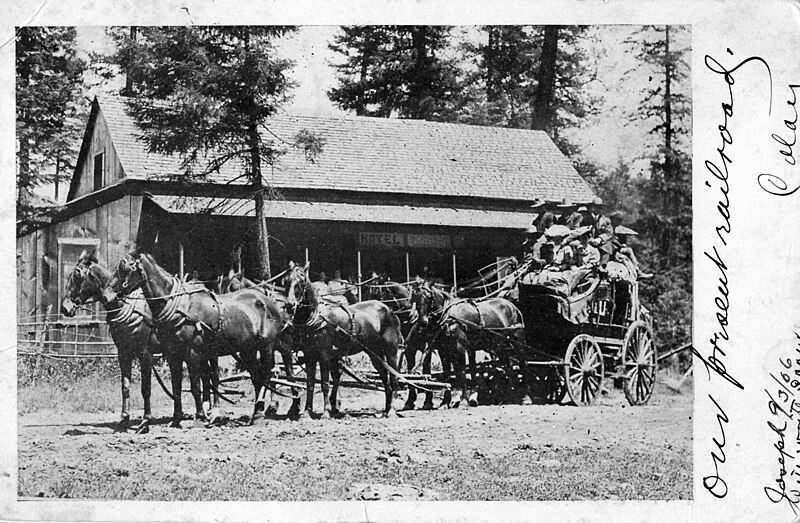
x=330, y=331
x=398, y=297
x=236, y=281
x=456, y=327
x=200, y=325
x=129, y=323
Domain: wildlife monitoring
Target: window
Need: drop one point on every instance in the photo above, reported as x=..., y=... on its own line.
x=99, y=171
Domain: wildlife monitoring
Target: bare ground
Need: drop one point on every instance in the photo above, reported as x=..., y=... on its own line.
x=540, y=452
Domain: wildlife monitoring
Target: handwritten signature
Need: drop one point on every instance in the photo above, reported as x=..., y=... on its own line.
x=719, y=343
x=785, y=408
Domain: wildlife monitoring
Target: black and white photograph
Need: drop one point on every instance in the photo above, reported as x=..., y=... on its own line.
x=354, y=262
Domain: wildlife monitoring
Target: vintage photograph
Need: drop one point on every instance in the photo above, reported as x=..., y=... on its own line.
x=328, y=263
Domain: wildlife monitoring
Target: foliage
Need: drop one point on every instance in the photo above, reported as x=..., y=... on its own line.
x=395, y=70
x=49, y=114
x=207, y=94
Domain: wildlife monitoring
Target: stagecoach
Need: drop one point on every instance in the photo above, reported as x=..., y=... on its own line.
x=584, y=327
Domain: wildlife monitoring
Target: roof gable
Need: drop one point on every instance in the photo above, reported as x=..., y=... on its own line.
x=363, y=154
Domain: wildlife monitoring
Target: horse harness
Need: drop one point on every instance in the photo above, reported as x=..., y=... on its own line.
x=131, y=314
x=176, y=311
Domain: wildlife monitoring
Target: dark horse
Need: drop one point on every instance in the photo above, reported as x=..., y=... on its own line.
x=129, y=323
x=236, y=281
x=199, y=325
x=398, y=298
x=327, y=332
x=456, y=328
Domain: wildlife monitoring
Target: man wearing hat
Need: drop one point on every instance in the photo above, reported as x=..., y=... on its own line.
x=567, y=211
x=625, y=253
x=547, y=217
x=600, y=223
x=563, y=255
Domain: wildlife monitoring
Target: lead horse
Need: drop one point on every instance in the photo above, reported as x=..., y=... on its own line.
x=200, y=325
x=129, y=323
x=328, y=332
x=457, y=328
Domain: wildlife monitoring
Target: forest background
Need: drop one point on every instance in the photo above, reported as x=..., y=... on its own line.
x=615, y=99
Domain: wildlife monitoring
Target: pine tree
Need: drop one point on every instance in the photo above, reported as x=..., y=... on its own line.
x=49, y=114
x=221, y=86
x=395, y=71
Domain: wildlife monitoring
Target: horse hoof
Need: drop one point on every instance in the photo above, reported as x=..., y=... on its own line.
x=176, y=424
x=389, y=414
x=408, y=406
x=428, y=405
x=304, y=416
x=454, y=404
x=526, y=400
x=272, y=409
x=144, y=427
x=472, y=401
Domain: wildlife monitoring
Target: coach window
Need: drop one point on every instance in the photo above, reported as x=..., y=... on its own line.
x=99, y=171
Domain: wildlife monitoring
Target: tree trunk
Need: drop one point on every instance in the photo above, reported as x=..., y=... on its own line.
x=669, y=202
x=262, y=236
x=542, y=114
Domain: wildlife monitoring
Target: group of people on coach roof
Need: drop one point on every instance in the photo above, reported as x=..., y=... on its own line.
x=564, y=236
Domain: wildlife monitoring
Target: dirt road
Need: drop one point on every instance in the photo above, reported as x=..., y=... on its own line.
x=541, y=452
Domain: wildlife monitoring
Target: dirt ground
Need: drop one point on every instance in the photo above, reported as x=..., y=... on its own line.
x=541, y=452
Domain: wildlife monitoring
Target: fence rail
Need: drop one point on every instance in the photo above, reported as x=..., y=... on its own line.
x=56, y=336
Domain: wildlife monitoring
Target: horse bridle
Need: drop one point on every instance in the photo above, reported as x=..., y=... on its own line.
x=85, y=274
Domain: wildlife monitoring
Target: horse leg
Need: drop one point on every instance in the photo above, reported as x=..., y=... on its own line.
x=392, y=357
x=145, y=365
x=388, y=410
x=252, y=366
x=474, y=380
x=411, y=361
x=324, y=377
x=197, y=372
x=447, y=369
x=311, y=372
x=459, y=368
x=336, y=403
x=527, y=378
x=426, y=369
x=214, y=369
x=285, y=350
x=125, y=364
x=176, y=377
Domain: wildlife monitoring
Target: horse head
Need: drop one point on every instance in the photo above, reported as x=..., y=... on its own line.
x=299, y=290
x=128, y=277
x=84, y=284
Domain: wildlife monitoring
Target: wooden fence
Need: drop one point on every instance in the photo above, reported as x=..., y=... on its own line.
x=53, y=334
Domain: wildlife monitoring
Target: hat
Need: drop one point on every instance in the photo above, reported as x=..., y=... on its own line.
x=616, y=215
x=583, y=208
x=537, y=203
x=566, y=203
x=597, y=201
x=557, y=230
x=621, y=229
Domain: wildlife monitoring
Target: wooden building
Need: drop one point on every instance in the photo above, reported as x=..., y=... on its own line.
x=388, y=195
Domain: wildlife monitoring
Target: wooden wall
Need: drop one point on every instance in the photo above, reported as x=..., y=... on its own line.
x=114, y=225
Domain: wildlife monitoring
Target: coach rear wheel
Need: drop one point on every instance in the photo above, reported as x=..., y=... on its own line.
x=583, y=370
x=639, y=363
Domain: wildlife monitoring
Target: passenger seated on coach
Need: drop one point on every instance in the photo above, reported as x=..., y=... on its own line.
x=625, y=253
x=336, y=286
x=563, y=255
x=586, y=255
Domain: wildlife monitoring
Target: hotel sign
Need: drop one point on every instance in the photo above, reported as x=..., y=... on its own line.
x=400, y=240
x=381, y=239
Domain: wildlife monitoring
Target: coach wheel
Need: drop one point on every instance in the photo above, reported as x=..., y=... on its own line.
x=639, y=363
x=583, y=370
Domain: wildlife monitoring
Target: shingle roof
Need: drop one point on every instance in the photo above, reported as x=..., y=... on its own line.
x=389, y=155
x=350, y=212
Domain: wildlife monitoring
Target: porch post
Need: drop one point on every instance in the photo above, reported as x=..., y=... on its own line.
x=306, y=254
x=359, y=273
x=408, y=268
x=455, y=280
x=180, y=260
